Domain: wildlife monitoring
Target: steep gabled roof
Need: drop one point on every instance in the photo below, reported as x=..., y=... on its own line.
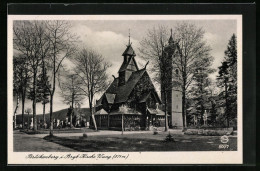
x=123, y=67
x=144, y=97
x=125, y=64
x=101, y=112
x=120, y=94
x=112, y=89
x=99, y=101
x=124, y=91
x=129, y=51
x=155, y=111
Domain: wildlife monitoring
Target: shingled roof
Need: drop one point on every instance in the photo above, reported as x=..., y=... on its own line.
x=101, y=112
x=129, y=51
x=122, y=92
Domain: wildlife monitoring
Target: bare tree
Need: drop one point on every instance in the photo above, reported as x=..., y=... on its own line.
x=61, y=47
x=71, y=91
x=189, y=50
x=44, y=52
x=27, y=43
x=190, y=55
x=16, y=90
x=152, y=49
x=43, y=92
x=91, y=68
x=20, y=82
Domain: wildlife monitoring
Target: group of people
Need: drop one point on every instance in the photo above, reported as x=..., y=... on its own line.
x=57, y=124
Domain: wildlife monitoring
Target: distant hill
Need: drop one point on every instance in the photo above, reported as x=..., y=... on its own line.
x=61, y=115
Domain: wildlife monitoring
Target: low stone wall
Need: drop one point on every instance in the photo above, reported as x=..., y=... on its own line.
x=209, y=131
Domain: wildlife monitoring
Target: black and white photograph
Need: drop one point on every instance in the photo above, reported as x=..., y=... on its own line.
x=123, y=88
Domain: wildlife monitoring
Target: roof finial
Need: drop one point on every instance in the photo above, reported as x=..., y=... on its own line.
x=171, y=31
x=129, y=38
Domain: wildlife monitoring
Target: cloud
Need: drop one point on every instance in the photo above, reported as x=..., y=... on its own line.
x=109, y=44
x=216, y=43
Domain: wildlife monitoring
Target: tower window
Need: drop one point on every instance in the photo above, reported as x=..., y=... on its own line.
x=177, y=107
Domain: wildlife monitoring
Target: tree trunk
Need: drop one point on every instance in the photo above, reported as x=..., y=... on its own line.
x=44, y=114
x=23, y=101
x=72, y=110
x=15, y=111
x=93, y=117
x=71, y=126
x=108, y=121
x=28, y=121
x=34, y=103
x=184, y=107
x=226, y=100
x=94, y=121
x=122, y=124
x=34, y=116
x=51, y=121
x=166, y=117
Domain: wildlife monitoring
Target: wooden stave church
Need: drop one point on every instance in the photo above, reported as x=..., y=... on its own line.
x=131, y=101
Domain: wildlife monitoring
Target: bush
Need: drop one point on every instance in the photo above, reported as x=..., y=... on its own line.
x=191, y=132
x=155, y=131
x=50, y=138
x=208, y=132
x=169, y=138
x=85, y=135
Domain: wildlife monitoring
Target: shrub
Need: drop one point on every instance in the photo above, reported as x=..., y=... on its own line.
x=169, y=138
x=155, y=131
x=85, y=135
x=208, y=132
x=191, y=132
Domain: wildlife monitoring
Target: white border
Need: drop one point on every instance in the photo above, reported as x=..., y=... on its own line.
x=198, y=157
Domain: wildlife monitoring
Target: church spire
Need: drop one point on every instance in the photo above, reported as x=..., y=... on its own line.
x=129, y=50
x=129, y=38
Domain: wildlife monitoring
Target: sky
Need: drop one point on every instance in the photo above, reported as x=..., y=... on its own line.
x=110, y=37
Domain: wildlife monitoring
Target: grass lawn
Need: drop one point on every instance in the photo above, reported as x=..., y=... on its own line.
x=25, y=143
x=143, y=142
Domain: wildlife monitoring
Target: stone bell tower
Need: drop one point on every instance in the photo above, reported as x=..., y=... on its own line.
x=170, y=83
